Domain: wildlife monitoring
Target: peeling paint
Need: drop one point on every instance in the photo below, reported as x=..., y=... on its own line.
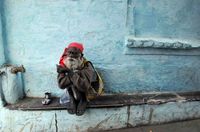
x=98, y=119
x=39, y=30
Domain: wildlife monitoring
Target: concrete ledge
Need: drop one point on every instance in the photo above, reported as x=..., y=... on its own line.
x=100, y=119
x=158, y=46
x=105, y=101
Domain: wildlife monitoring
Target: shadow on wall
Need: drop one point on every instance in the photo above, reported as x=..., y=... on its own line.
x=4, y=56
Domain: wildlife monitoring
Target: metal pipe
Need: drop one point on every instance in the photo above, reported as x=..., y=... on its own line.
x=1, y=72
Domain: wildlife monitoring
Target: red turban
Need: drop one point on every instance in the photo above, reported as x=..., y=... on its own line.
x=73, y=44
x=76, y=45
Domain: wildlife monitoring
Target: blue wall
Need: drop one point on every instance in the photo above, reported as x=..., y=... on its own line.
x=169, y=19
x=2, y=57
x=38, y=31
x=35, y=32
x=45, y=28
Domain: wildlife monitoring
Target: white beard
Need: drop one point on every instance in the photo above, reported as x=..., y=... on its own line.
x=73, y=63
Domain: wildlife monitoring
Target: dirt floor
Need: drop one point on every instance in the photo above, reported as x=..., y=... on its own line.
x=185, y=126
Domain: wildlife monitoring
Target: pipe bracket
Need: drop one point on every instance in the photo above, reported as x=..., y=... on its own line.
x=17, y=69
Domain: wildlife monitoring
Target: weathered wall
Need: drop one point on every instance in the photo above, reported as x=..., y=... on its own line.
x=169, y=19
x=36, y=32
x=44, y=28
x=2, y=57
x=97, y=119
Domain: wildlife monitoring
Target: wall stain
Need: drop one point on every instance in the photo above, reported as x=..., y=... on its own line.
x=101, y=122
x=150, y=115
x=31, y=128
x=97, y=127
x=56, y=122
x=128, y=118
x=77, y=128
x=22, y=129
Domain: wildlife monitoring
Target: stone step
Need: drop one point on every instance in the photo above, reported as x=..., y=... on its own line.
x=113, y=100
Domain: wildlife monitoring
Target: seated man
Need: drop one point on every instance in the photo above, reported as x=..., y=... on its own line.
x=79, y=77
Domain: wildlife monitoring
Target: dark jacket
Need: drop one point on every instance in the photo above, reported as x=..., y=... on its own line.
x=86, y=79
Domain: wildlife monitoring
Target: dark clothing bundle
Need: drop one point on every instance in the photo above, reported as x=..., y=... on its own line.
x=82, y=83
x=85, y=80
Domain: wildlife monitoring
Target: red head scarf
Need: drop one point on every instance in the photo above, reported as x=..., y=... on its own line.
x=73, y=44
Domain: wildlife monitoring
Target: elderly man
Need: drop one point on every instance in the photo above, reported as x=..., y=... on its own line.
x=79, y=77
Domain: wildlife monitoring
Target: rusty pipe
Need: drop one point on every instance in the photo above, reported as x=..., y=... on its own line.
x=17, y=69
x=2, y=72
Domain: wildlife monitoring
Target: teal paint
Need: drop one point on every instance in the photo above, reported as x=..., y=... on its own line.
x=2, y=57
x=93, y=120
x=168, y=19
x=45, y=28
x=36, y=32
x=157, y=114
x=98, y=119
x=84, y=21
x=4, y=33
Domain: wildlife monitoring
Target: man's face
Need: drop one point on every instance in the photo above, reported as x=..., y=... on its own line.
x=74, y=52
x=74, y=58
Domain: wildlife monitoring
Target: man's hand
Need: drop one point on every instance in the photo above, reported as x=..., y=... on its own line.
x=61, y=69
